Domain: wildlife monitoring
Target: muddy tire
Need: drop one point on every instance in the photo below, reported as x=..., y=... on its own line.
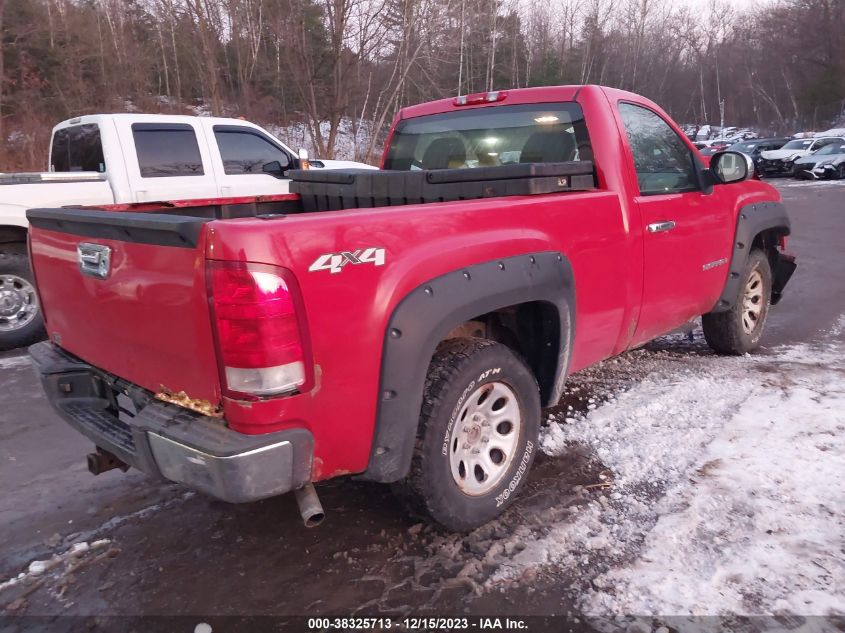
x=20, y=317
x=477, y=435
x=738, y=330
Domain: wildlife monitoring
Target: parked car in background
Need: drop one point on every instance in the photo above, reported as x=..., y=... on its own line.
x=755, y=147
x=828, y=162
x=108, y=159
x=780, y=162
x=712, y=148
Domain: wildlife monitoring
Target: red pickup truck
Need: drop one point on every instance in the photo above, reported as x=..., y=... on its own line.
x=404, y=325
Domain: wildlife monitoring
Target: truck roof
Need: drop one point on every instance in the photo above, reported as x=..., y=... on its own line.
x=542, y=94
x=140, y=117
x=129, y=118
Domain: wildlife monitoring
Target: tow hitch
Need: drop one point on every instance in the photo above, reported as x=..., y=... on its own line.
x=102, y=460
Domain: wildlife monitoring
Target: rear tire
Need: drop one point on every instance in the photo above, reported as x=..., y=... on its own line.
x=477, y=436
x=20, y=316
x=738, y=330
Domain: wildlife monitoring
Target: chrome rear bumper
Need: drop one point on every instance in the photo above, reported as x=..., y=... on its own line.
x=166, y=440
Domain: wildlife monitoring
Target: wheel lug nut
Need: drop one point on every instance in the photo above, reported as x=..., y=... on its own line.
x=475, y=451
x=485, y=439
x=485, y=423
x=465, y=446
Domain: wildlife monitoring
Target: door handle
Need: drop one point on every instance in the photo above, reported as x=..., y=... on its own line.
x=658, y=227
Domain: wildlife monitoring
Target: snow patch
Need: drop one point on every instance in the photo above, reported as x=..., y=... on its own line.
x=350, y=141
x=725, y=491
x=14, y=362
x=39, y=567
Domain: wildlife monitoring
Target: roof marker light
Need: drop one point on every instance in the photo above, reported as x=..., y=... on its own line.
x=480, y=97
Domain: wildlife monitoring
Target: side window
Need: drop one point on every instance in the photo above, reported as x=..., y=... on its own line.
x=245, y=151
x=77, y=148
x=166, y=150
x=825, y=141
x=663, y=161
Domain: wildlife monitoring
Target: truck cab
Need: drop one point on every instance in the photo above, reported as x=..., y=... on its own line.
x=147, y=157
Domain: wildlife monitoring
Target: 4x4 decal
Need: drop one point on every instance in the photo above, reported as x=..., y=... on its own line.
x=334, y=262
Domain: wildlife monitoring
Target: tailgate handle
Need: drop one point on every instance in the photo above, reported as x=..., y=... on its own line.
x=94, y=259
x=659, y=227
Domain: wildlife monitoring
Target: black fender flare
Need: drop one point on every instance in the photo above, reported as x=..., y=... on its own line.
x=427, y=314
x=752, y=220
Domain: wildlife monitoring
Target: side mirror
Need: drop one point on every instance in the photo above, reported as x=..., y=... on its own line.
x=273, y=168
x=303, y=159
x=728, y=167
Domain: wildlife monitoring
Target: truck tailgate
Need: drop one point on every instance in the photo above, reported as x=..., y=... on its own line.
x=126, y=292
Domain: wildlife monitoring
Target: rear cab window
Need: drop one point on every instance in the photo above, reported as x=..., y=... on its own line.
x=77, y=148
x=489, y=137
x=167, y=150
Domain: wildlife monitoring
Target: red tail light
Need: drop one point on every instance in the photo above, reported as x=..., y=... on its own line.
x=261, y=335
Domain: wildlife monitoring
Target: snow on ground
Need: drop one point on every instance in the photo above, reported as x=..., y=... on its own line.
x=791, y=183
x=70, y=552
x=65, y=561
x=350, y=140
x=725, y=491
x=13, y=362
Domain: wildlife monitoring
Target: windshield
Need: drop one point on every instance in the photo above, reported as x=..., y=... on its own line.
x=798, y=144
x=833, y=148
x=487, y=137
x=743, y=147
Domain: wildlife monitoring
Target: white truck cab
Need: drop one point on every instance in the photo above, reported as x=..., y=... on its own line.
x=103, y=159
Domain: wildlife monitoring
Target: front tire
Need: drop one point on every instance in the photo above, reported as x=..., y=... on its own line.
x=478, y=432
x=738, y=330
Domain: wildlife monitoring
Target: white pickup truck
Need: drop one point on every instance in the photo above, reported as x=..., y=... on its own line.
x=108, y=159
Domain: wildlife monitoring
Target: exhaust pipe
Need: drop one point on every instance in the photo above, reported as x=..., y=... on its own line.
x=102, y=461
x=309, y=506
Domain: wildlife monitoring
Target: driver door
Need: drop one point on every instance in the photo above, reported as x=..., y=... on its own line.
x=686, y=233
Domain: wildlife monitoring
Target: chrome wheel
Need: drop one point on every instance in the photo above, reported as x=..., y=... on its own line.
x=18, y=303
x=752, y=301
x=484, y=438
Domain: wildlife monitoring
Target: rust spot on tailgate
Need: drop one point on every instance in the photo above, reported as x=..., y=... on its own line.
x=194, y=404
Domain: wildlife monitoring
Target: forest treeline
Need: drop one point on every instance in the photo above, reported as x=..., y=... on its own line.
x=778, y=65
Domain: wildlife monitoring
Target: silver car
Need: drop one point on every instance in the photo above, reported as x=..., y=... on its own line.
x=828, y=162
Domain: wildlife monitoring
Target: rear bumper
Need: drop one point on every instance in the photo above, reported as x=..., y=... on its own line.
x=168, y=441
